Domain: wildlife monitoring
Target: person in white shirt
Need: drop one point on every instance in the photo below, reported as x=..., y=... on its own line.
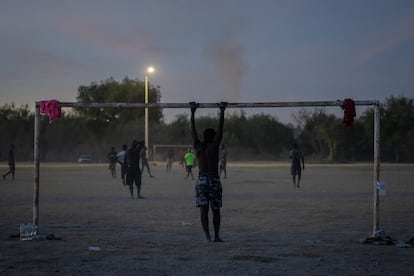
x=121, y=160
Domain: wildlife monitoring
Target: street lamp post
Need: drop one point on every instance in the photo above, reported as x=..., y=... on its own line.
x=149, y=71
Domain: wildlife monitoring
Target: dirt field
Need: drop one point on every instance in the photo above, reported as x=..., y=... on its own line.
x=269, y=227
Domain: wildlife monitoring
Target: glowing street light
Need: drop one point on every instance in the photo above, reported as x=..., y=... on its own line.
x=150, y=70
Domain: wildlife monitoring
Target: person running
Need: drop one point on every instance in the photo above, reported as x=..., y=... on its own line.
x=208, y=186
x=121, y=160
x=11, y=162
x=144, y=162
x=112, y=157
x=296, y=168
x=189, y=160
x=223, y=160
x=134, y=172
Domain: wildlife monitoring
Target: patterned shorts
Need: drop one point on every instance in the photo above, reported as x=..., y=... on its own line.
x=209, y=191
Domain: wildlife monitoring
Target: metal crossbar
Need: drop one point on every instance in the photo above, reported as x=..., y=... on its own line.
x=212, y=105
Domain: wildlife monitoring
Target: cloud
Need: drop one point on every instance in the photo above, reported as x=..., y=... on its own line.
x=123, y=37
x=21, y=61
x=392, y=37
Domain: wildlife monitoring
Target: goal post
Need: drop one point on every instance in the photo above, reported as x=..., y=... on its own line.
x=376, y=122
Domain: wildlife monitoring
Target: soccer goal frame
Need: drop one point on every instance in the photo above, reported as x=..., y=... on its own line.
x=374, y=103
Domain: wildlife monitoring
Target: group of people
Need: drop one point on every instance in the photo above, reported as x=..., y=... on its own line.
x=129, y=161
x=207, y=154
x=211, y=157
x=188, y=161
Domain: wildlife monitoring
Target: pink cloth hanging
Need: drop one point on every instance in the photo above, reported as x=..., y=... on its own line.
x=51, y=108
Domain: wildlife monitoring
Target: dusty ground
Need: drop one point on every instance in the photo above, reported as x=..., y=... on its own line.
x=269, y=227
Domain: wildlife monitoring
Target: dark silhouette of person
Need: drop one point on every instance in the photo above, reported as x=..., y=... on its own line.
x=112, y=157
x=132, y=158
x=169, y=158
x=11, y=162
x=144, y=161
x=296, y=167
x=208, y=186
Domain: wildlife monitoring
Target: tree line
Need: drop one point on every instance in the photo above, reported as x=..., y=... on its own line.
x=321, y=136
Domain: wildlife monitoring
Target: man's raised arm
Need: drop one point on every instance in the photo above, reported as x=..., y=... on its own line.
x=193, y=106
x=219, y=136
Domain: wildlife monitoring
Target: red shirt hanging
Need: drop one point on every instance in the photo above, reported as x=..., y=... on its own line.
x=348, y=107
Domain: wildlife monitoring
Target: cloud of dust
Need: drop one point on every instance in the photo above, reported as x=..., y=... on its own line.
x=226, y=55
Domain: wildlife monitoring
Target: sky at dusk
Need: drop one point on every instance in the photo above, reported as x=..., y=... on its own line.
x=209, y=51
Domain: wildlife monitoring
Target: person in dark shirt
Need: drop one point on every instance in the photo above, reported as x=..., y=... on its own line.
x=112, y=157
x=132, y=158
x=169, y=159
x=296, y=168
